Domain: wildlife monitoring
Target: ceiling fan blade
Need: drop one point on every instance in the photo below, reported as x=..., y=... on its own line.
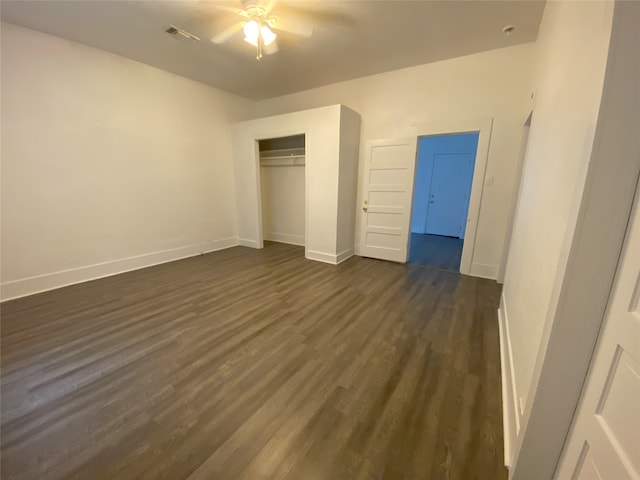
x=268, y=6
x=293, y=24
x=330, y=13
x=225, y=8
x=271, y=48
x=226, y=34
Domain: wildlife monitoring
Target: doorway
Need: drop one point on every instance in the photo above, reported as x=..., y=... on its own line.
x=442, y=191
x=515, y=199
x=283, y=189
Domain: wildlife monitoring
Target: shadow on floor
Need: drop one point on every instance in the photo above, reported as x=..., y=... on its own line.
x=436, y=251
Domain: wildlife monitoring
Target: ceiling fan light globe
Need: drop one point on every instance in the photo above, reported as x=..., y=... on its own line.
x=251, y=31
x=252, y=41
x=268, y=36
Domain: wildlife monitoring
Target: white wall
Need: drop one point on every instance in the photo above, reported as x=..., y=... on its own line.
x=348, y=181
x=107, y=164
x=403, y=102
x=572, y=53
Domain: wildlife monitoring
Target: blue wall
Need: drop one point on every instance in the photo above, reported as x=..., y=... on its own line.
x=427, y=148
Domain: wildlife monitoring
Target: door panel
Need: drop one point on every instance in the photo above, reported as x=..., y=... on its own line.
x=449, y=199
x=386, y=207
x=604, y=441
x=586, y=468
x=375, y=219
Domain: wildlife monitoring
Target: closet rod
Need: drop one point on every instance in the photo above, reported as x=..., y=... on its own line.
x=287, y=157
x=289, y=165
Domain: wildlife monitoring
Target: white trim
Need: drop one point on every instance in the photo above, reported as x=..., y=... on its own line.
x=285, y=238
x=247, y=242
x=510, y=412
x=344, y=255
x=51, y=281
x=266, y=134
x=321, y=257
x=483, y=270
x=483, y=126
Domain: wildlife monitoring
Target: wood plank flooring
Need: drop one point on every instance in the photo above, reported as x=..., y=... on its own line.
x=255, y=364
x=436, y=251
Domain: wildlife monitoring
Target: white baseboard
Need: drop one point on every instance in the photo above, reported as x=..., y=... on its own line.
x=484, y=271
x=51, y=281
x=328, y=257
x=342, y=256
x=510, y=413
x=321, y=257
x=285, y=238
x=245, y=242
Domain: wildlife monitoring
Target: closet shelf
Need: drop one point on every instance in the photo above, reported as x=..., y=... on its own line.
x=283, y=157
x=283, y=152
x=297, y=161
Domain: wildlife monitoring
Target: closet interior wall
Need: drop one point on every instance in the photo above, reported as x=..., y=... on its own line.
x=282, y=178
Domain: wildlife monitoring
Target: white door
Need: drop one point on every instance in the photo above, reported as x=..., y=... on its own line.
x=449, y=197
x=386, y=206
x=604, y=442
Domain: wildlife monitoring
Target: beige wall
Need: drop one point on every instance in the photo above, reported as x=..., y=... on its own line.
x=405, y=102
x=149, y=152
x=571, y=60
x=107, y=163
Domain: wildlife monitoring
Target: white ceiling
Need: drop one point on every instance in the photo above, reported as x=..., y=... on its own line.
x=350, y=39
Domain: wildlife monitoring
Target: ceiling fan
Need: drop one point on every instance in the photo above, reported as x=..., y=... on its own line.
x=258, y=26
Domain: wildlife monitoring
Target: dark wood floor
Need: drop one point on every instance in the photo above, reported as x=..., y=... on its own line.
x=436, y=251
x=255, y=364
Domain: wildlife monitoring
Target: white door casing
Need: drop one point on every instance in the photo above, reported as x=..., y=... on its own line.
x=387, y=192
x=604, y=441
x=482, y=126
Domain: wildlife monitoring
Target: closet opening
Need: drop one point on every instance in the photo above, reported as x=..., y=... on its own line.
x=282, y=182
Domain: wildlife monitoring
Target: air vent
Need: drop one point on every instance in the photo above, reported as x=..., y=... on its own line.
x=181, y=34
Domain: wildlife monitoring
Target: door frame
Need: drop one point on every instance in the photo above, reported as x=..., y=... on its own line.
x=581, y=292
x=483, y=127
x=604, y=356
x=256, y=154
x=515, y=197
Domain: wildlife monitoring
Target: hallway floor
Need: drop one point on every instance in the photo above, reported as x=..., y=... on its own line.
x=436, y=251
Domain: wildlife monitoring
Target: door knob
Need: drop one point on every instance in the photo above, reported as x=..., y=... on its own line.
x=365, y=206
